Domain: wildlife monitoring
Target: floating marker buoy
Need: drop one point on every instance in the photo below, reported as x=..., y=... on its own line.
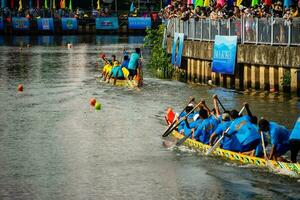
x=28, y=45
x=93, y=101
x=70, y=46
x=210, y=82
x=20, y=88
x=98, y=106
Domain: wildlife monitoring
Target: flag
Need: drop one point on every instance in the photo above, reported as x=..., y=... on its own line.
x=46, y=4
x=12, y=4
x=239, y=2
x=287, y=3
x=70, y=5
x=254, y=3
x=132, y=7
x=3, y=4
x=38, y=4
x=62, y=4
x=206, y=3
x=98, y=5
x=199, y=3
x=54, y=5
x=20, y=5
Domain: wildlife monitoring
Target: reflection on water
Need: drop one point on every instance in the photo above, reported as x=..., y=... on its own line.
x=53, y=145
x=56, y=40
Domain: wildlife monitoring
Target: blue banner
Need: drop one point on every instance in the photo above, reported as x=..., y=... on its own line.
x=224, y=54
x=45, y=24
x=139, y=22
x=1, y=24
x=20, y=23
x=45, y=40
x=107, y=23
x=177, y=48
x=69, y=24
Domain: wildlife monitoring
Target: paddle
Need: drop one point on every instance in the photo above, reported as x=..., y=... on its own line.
x=176, y=123
x=263, y=145
x=221, y=138
x=181, y=141
x=221, y=104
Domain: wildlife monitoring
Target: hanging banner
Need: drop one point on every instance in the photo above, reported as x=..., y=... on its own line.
x=107, y=23
x=69, y=24
x=1, y=24
x=20, y=23
x=177, y=48
x=139, y=22
x=45, y=24
x=224, y=54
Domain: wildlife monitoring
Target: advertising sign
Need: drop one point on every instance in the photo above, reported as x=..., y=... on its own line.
x=139, y=22
x=69, y=24
x=107, y=23
x=45, y=24
x=20, y=23
x=224, y=54
x=177, y=48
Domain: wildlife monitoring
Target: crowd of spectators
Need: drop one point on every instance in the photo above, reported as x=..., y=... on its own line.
x=229, y=10
x=32, y=13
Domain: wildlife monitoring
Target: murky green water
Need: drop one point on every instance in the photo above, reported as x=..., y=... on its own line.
x=53, y=145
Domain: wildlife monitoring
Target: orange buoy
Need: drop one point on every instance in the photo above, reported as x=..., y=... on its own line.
x=20, y=88
x=93, y=101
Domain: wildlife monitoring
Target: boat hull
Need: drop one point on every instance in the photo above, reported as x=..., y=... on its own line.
x=275, y=166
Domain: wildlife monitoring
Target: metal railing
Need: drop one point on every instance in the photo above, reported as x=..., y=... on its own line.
x=272, y=31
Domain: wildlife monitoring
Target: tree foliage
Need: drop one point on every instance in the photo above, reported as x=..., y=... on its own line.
x=159, y=60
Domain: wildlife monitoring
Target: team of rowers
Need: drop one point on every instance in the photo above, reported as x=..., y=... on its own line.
x=130, y=68
x=240, y=133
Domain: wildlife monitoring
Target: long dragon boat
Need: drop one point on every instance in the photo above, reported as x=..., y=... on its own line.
x=283, y=168
x=122, y=83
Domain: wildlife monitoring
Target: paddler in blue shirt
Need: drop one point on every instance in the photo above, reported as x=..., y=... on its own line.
x=279, y=138
x=134, y=63
x=294, y=141
x=203, y=130
x=222, y=127
x=244, y=132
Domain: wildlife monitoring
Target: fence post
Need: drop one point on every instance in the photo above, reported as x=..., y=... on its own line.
x=229, y=26
x=201, y=29
x=256, y=31
x=209, y=29
x=272, y=30
x=242, y=30
x=290, y=33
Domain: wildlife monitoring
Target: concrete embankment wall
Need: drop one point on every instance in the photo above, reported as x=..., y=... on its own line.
x=259, y=67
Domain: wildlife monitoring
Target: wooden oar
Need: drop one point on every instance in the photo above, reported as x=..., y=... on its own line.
x=263, y=145
x=176, y=123
x=221, y=104
x=221, y=138
x=182, y=140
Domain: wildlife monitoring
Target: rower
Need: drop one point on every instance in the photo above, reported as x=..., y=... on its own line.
x=222, y=127
x=186, y=120
x=294, y=141
x=244, y=132
x=279, y=138
x=204, y=129
x=134, y=63
x=116, y=71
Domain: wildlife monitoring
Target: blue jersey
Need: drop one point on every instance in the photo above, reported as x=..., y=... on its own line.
x=204, y=131
x=246, y=134
x=215, y=122
x=279, y=137
x=192, y=125
x=133, y=61
x=125, y=63
x=117, y=72
x=225, y=143
x=183, y=124
x=295, y=134
x=279, y=134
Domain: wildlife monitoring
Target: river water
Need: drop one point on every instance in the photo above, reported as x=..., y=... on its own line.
x=54, y=145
